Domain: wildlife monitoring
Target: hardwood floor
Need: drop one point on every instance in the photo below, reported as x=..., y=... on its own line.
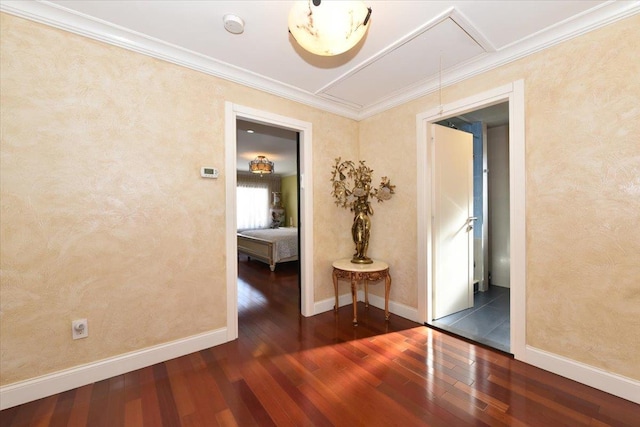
x=287, y=370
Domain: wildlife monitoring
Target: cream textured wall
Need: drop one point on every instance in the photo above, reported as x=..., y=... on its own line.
x=498, y=195
x=290, y=199
x=103, y=212
x=583, y=193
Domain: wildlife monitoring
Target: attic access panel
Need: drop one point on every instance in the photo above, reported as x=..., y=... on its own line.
x=412, y=62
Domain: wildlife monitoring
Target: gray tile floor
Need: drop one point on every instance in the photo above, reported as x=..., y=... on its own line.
x=487, y=322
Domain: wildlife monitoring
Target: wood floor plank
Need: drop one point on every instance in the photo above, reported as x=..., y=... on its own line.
x=151, y=414
x=179, y=388
x=98, y=406
x=80, y=412
x=44, y=413
x=62, y=411
x=288, y=370
x=272, y=398
x=166, y=400
x=203, y=390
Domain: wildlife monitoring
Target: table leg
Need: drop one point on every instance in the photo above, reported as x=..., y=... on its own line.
x=366, y=293
x=387, y=289
x=335, y=288
x=354, y=295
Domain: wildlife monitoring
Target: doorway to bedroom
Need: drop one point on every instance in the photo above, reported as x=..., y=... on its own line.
x=303, y=130
x=267, y=217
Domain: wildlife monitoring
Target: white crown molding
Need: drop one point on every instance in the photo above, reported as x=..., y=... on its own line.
x=84, y=25
x=78, y=376
x=593, y=19
x=59, y=17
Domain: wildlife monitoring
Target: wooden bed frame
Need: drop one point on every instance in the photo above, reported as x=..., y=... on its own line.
x=260, y=249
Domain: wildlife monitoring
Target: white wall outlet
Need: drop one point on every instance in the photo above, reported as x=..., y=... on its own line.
x=79, y=329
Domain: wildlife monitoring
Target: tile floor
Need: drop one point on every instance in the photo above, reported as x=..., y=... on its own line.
x=487, y=322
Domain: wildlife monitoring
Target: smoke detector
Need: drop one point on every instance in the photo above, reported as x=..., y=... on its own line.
x=233, y=23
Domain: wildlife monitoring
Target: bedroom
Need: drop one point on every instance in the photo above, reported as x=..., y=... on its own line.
x=267, y=193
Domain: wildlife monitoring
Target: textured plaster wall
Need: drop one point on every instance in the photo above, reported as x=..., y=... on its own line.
x=103, y=212
x=290, y=199
x=583, y=193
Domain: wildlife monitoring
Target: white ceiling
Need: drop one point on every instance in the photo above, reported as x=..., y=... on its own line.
x=411, y=48
x=278, y=145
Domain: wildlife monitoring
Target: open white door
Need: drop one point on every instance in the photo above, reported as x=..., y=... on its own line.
x=452, y=220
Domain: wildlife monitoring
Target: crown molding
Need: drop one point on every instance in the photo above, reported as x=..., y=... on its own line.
x=606, y=14
x=87, y=26
x=84, y=25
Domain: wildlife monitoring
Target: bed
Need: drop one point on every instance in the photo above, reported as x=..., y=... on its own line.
x=270, y=245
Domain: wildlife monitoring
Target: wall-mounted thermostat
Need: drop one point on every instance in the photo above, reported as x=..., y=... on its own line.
x=207, y=172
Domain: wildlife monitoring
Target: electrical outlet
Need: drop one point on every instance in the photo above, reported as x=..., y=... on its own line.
x=79, y=329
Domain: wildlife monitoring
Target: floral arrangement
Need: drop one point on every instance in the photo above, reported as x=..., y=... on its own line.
x=352, y=185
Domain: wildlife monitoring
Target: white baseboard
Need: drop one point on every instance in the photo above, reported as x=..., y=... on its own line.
x=617, y=385
x=327, y=304
x=410, y=313
x=398, y=309
x=58, y=382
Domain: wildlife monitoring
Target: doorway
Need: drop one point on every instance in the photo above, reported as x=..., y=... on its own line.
x=266, y=208
x=486, y=320
x=233, y=113
x=513, y=94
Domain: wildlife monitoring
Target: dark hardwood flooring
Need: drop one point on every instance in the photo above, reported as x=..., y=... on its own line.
x=287, y=370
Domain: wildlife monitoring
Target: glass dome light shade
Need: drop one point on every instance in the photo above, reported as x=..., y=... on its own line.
x=331, y=28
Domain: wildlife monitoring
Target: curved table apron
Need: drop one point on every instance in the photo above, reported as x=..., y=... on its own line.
x=378, y=270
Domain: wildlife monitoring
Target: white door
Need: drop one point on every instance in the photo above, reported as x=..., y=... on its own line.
x=452, y=166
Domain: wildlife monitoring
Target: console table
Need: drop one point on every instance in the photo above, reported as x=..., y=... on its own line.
x=378, y=270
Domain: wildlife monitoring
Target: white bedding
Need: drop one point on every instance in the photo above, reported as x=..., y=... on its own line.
x=285, y=240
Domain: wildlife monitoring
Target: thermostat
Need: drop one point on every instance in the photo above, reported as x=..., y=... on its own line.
x=207, y=172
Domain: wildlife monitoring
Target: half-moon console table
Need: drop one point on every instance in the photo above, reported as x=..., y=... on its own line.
x=376, y=271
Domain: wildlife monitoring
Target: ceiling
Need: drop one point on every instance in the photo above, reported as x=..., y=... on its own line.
x=412, y=48
x=278, y=145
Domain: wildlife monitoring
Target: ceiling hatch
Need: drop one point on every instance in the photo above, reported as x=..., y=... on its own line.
x=408, y=64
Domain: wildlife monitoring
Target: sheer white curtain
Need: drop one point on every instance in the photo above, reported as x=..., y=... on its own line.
x=253, y=200
x=253, y=207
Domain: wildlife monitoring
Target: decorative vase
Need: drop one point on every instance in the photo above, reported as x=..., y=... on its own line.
x=361, y=230
x=277, y=211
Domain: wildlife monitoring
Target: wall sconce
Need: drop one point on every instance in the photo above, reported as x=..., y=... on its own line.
x=261, y=165
x=328, y=28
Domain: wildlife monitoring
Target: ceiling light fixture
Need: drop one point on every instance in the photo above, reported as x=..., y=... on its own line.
x=261, y=165
x=328, y=28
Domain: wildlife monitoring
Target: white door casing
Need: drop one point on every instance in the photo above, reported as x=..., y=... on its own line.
x=514, y=94
x=452, y=216
x=304, y=129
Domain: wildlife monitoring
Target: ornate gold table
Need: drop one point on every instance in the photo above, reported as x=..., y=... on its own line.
x=378, y=270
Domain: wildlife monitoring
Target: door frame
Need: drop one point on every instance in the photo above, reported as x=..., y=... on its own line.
x=514, y=94
x=233, y=112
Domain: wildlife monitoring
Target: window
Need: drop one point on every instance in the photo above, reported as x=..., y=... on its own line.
x=253, y=207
